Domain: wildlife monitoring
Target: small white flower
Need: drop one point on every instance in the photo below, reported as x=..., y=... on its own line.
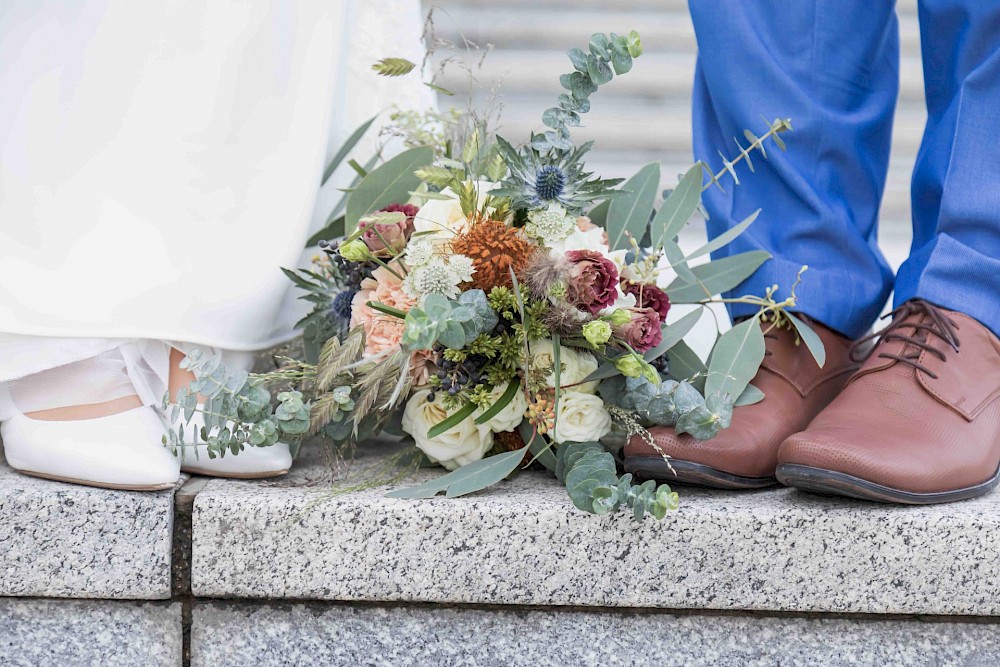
x=458, y=446
x=461, y=268
x=419, y=251
x=581, y=418
x=550, y=225
x=438, y=277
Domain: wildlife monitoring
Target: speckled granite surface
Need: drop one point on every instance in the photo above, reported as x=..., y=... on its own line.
x=523, y=543
x=65, y=540
x=86, y=633
x=306, y=635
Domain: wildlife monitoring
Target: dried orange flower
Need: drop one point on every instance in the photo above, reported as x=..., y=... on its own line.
x=494, y=248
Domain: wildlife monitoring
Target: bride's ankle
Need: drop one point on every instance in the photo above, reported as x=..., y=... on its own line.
x=87, y=411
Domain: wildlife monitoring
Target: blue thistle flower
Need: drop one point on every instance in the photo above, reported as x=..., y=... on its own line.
x=341, y=306
x=537, y=179
x=550, y=181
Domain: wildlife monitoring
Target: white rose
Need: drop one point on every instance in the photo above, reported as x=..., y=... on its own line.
x=512, y=414
x=576, y=365
x=592, y=239
x=581, y=418
x=458, y=446
x=444, y=217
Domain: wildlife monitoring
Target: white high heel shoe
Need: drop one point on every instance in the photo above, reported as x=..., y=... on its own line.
x=251, y=463
x=120, y=451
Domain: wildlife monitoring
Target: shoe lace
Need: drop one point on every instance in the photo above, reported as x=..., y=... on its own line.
x=914, y=334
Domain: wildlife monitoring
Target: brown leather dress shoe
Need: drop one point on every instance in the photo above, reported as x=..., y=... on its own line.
x=919, y=423
x=744, y=455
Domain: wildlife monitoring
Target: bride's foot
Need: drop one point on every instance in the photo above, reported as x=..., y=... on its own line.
x=251, y=463
x=115, y=445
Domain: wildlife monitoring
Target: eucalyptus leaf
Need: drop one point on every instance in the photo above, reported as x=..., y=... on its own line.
x=630, y=213
x=599, y=214
x=346, y=148
x=811, y=339
x=678, y=208
x=540, y=449
x=750, y=396
x=685, y=364
x=736, y=359
x=390, y=183
x=724, y=238
x=467, y=479
x=716, y=277
x=674, y=333
x=677, y=261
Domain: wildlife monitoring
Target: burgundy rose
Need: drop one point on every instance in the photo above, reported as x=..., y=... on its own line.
x=592, y=280
x=643, y=331
x=388, y=239
x=648, y=296
x=409, y=210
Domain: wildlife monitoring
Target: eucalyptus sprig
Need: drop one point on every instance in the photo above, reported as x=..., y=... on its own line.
x=591, y=478
x=238, y=411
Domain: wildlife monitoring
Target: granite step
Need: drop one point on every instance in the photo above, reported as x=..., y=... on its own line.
x=65, y=540
x=90, y=633
x=523, y=543
x=305, y=635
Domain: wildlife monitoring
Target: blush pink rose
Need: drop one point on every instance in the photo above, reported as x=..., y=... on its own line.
x=388, y=239
x=643, y=331
x=593, y=280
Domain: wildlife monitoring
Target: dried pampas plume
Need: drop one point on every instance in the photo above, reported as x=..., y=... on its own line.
x=564, y=318
x=545, y=272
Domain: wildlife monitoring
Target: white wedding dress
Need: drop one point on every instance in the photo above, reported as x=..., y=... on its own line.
x=158, y=163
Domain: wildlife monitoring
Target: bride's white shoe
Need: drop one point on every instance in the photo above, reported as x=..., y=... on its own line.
x=119, y=451
x=251, y=463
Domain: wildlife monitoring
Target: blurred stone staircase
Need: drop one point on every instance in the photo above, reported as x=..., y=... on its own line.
x=648, y=116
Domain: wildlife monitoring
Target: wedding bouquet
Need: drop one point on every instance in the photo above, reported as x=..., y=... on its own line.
x=503, y=307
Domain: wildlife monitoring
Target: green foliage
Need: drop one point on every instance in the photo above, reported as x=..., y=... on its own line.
x=467, y=479
x=591, y=478
x=810, y=338
x=736, y=357
x=628, y=215
x=725, y=238
x=669, y=403
x=351, y=142
x=390, y=183
x=606, y=57
x=716, y=277
x=393, y=66
x=453, y=323
x=237, y=411
x=678, y=207
x=579, y=190
x=685, y=364
x=505, y=398
x=750, y=396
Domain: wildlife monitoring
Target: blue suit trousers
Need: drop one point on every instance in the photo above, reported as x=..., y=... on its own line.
x=832, y=66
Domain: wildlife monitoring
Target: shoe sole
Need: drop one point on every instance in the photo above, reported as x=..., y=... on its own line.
x=100, y=485
x=829, y=482
x=235, y=475
x=693, y=474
